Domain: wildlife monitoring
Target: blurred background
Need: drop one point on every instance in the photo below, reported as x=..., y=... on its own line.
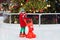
x=30, y=6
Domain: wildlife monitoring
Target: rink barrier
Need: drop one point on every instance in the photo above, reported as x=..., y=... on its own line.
x=5, y=13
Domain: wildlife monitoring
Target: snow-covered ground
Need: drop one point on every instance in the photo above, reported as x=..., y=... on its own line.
x=43, y=32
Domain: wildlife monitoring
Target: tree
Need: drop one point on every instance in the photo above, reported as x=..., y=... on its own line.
x=34, y=5
x=31, y=5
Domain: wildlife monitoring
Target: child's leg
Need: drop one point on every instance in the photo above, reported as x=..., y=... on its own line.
x=23, y=30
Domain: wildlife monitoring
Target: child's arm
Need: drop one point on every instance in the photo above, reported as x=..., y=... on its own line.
x=25, y=21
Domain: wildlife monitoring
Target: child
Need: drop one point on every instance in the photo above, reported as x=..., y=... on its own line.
x=29, y=23
x=22, y=17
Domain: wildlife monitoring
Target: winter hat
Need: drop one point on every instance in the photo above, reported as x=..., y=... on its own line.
x=22, y=10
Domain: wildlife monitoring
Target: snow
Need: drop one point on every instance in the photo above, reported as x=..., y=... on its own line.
x=43, y=32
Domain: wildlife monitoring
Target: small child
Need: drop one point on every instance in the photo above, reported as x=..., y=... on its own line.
x=30, y=27
x=22, y=17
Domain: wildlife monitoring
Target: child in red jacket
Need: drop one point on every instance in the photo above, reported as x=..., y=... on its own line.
x=29, y=23
x=22, y=18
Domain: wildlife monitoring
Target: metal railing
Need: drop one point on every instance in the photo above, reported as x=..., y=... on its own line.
x=10, y=14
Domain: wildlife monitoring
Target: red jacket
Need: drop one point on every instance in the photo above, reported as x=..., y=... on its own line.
x=22, y=16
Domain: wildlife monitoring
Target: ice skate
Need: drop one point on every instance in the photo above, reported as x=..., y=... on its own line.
x=22, y=35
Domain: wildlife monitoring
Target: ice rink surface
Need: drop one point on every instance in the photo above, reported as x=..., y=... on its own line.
x=43, y=32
